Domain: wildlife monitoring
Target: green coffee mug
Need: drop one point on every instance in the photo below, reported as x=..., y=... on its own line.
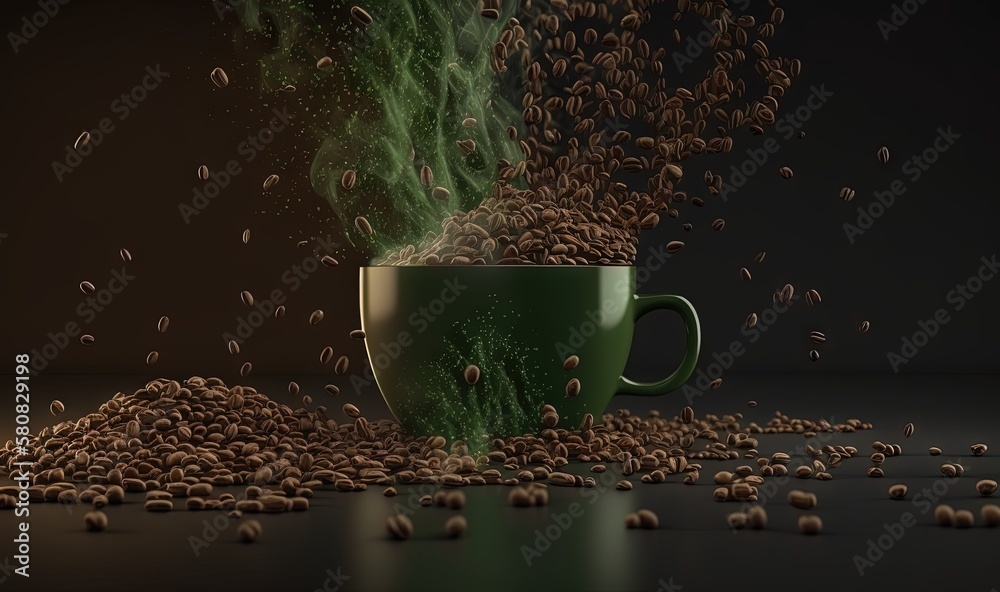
x=518, y=325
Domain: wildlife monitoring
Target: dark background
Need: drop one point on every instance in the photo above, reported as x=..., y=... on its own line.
x=933, y=72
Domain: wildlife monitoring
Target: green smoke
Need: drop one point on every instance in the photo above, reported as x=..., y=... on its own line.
x=406, y=82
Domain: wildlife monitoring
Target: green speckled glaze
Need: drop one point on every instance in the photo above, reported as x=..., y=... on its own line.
x=425, y=325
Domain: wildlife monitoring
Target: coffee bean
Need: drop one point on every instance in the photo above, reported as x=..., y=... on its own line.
x=472, y=374
x=944, y=515
x=908, y=430
x=246, y=236
x=674, y=247
x=361, y=223
x=814, y=355
x=441, y=193
x=456, y=526
x=125, y=255
x=883, y=155
x=246, y=297
x=349, y=179
x=152, y=357
x=573, y=387
x=246, y=369
x=87, y=288
x=571, y=362
x=865, y=325
x=802, y=499
x=759, y=258
x=95, y=521
x=986, y=487
x=332, y=389
x=785, y=172
x=86, y=339
x=745, y=274
x=279, y=312
x=389, y=492
x=897, y=491
x=340, y=368
x=162, y=324
x=329, y=261
x=736, y=520
x=715, y=384
x=219, y=78
x=426, y=176
x=203, y=173
x=357, y=334
x=786, y=294
x=324, y=62
x=813, y=298
x=847, y=194
x=810, y=524
x=159, y=505
x=632, y=520
x=964, y=519
x=400, y=527
x=81, y=141
x=326, y=355
x=978, y=449
x=991, y=515
x=648, y=519
x=361, y=16
x=519, y=497
x=934, y=451
x=751, y=403
x=756, y=518
x=315, y=317
x=751, y=320
x=249, y=531
x=351, y=410
x=624, y=485
x=875, y=472
x=718, y=224
x=687, y=415
x=817, y=337
x=270, y=182
x=234, y=348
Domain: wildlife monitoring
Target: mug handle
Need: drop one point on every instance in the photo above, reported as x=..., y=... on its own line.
x=646, y=304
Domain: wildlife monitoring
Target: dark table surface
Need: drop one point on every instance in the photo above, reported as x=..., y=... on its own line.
x=579, y=541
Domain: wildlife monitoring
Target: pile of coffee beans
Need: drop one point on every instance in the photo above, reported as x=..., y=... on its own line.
x=577, y=209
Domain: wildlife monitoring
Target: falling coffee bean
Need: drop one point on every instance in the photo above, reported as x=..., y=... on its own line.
x=349, y=179
x=81, y=141
x=340, y=368
x=361, y=223
x=56, y=407
x=814, y=355
x=864, y=326
x=674, y=247
x=944, y=515
x=986, y=487
x=744, y=274
x=246, y=297
x=324, y=62
x=573, y=387
x=718, y=224
x=441, y=193
x=246, y=236
x=87, y=287
x=249, y=531
x=847, y=194
x=817, y=337
x=219, y=78
x=908, y=430
x=329, y=261
x=978, y=449
x=813, y=298
x=787, y=293
x=279, y=312
x=203, y=173
x=270, y=182
x=351, y=411
x=152, y=357
x=716, y=384
x=361, y=16
x=472, y=374
x=326, y=355
x=245, y=369
x=125, y=255
x=456, y=526
x=86, y=339
x=785, y=172
x=898, y=491
x=571, y=362
x=332, y=389
x=315, y=317
x=759, y=258
x=234, y=348
x=162, y=324
x=357, y=334
x=883, y=155
x=751, y=320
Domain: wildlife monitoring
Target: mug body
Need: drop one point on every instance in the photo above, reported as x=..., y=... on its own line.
x=425, y=325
